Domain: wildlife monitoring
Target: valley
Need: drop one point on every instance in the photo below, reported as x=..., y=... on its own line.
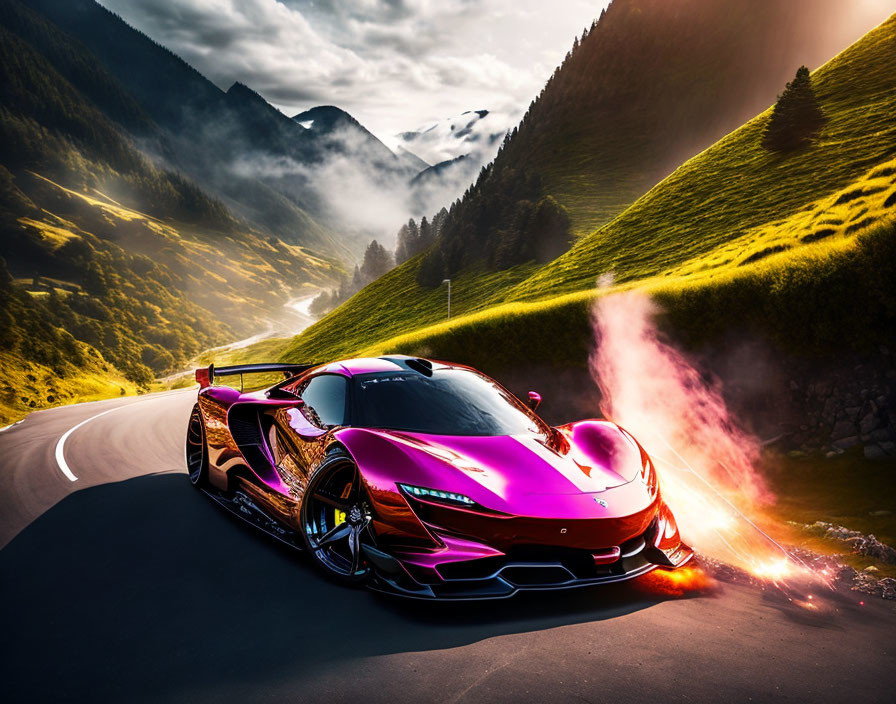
x=135, y=235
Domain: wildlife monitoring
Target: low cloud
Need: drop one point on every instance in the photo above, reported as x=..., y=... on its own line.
x=353, y=189
x=394, y=65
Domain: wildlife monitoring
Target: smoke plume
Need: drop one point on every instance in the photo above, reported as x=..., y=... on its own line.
x=706, y=462
x=648, y=387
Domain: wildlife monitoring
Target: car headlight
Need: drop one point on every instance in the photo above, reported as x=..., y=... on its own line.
x=436, y=495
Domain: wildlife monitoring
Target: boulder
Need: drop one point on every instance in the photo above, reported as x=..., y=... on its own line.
x=843, y=429
x=846, y=443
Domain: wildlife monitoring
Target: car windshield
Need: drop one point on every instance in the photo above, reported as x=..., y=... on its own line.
x=449, y=402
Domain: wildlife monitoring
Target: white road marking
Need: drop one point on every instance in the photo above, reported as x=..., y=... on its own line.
x=60, y=445
x=11, y=425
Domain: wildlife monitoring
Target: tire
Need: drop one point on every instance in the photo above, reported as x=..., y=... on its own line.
x=196, y=450
x=335, y=541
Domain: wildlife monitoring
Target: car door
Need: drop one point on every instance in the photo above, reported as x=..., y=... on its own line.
x=301, y=435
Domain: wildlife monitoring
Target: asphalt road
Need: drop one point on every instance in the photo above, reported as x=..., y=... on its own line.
x=127, y=585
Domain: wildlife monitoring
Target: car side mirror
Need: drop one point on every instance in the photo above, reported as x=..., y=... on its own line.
x=534, y=400
x=301, y=425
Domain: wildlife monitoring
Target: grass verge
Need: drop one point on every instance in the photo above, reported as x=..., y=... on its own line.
x=28, y=386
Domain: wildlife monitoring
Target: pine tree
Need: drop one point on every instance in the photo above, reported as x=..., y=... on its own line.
x=426, y=238
x=549, y=230
x=796, y=118
x=377, y=261
x=432, y=269
x=321, y=304
x=413, y=237
x=401, y=247
x=438, y=222
x=95, y=282
x=344, y=292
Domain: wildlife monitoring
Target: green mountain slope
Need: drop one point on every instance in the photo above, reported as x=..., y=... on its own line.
x=186, y=121
x=733, y=192
x=263, y=165
x=655, y=82
x=649, y=85
x=719, y=214
x=111, y=266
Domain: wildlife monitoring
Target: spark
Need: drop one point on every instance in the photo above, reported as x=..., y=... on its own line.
x=774, y=571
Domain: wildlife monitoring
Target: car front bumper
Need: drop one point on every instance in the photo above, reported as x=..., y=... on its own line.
x=489, y=574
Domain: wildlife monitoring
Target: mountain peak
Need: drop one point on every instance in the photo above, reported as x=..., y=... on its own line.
x=241, y=90
x=326, y=118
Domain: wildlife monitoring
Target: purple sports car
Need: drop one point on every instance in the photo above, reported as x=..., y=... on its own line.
x=429, y=479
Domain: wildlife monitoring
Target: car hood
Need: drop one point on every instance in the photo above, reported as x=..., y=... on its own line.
x=521, y=463
x=517, y=474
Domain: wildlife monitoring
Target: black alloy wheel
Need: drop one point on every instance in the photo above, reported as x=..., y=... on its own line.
x=336, y=519
x=197, y=457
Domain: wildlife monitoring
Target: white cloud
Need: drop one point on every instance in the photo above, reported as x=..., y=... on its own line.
x=393, y=64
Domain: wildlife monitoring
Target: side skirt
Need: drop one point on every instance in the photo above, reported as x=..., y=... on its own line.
x=243, y=507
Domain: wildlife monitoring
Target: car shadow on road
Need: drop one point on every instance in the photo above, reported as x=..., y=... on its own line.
x=147, y=586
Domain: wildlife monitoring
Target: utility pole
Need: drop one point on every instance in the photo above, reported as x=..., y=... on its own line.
x=448, y=281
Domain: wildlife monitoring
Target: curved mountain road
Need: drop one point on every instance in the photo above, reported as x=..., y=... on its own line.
x=127, y=585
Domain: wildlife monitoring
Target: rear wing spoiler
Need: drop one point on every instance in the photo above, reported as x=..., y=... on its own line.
x=206, y=375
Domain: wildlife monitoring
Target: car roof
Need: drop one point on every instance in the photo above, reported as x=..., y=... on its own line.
x=371, y=365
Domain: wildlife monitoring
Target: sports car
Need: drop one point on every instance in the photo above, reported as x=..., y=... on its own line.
x=429, y=479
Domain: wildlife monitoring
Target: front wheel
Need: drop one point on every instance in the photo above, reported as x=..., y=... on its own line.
x=197, y=453
x=335, y=519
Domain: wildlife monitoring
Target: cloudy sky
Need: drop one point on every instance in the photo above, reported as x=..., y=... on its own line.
x=393, y=64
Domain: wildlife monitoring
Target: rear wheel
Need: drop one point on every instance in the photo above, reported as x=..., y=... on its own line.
x=335, y=518
x=197, y=454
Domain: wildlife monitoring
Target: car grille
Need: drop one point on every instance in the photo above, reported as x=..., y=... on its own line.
x=528, y=565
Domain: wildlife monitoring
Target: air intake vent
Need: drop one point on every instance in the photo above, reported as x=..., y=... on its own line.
x=244, y=429
x=422, y=366
x=415, y=364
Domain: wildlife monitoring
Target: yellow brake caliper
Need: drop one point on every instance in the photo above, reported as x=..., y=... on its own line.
x=339, y=516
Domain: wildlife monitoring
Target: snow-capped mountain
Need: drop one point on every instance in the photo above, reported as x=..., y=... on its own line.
x=475, y=133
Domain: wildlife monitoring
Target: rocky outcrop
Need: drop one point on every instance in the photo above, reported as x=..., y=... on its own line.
x=859, y=543
x=846, y=408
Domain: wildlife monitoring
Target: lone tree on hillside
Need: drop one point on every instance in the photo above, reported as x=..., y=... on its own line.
x=796, y=118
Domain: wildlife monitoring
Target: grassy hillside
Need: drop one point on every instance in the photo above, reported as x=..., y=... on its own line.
x=27, y=386
x=647, y=86
x=828, y=297
x=822, y=299
x=732, y=205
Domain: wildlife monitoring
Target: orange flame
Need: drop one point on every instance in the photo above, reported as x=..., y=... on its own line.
x=684, y=581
